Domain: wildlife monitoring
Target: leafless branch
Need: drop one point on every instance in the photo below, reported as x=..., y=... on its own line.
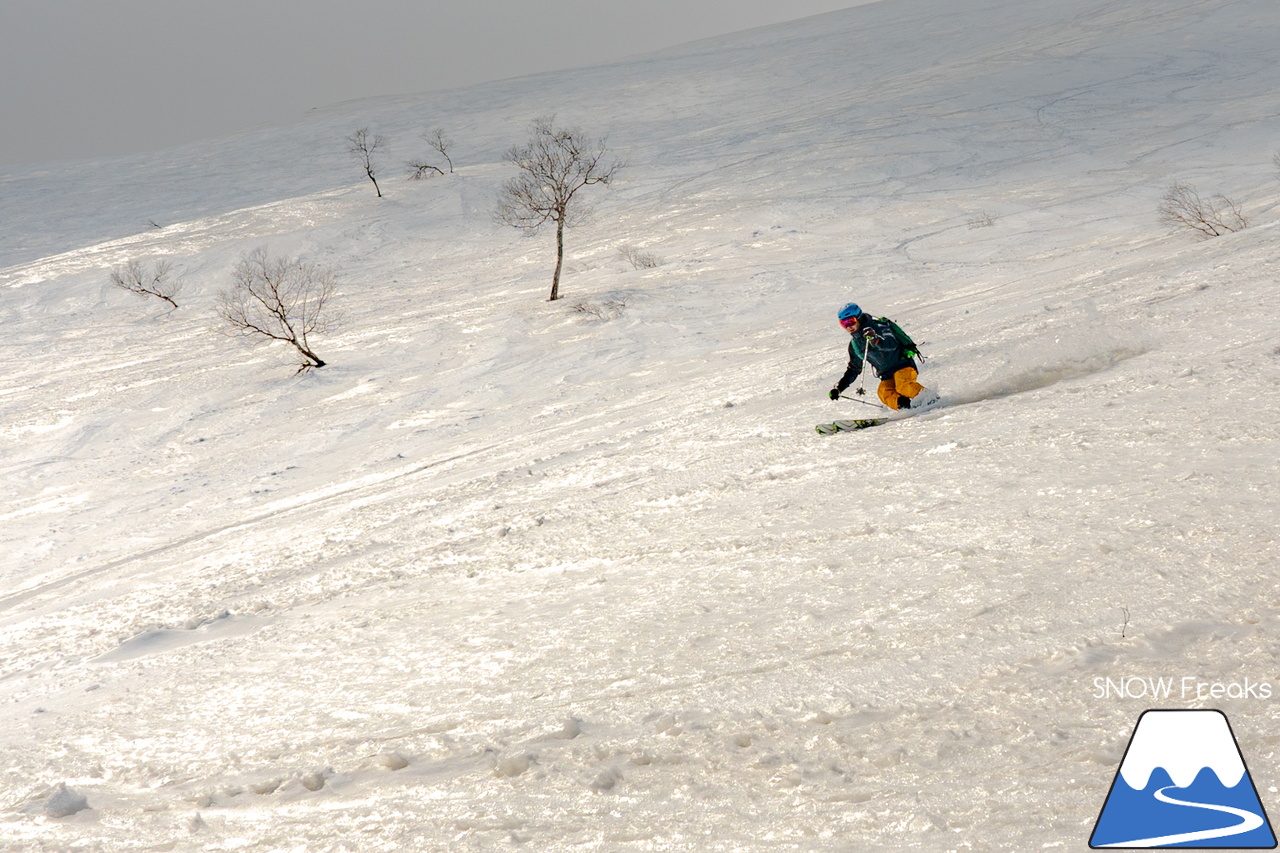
x=418, y=171
x=146, y=280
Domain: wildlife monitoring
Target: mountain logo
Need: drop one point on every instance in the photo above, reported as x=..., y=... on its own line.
x=1183, y=783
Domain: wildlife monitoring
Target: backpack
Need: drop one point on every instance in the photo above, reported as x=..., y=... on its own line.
x=909, y=347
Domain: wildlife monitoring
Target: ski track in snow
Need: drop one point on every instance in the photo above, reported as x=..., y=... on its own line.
x=507, y=574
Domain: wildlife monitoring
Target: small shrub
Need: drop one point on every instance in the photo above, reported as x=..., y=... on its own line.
x=606, y=309
x=148, y=280
x=983, y=219
x=1183, y=208
x=418, y=171
x=639, y=258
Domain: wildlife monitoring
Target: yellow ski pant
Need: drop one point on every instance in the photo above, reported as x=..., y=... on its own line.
x=902, y=384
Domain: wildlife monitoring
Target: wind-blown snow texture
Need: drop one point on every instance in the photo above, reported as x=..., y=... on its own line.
x=511, y=575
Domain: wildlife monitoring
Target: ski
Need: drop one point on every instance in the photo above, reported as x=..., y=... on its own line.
x=932, y=403
x=850, y=426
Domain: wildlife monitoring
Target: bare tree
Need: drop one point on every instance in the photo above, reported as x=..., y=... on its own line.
x=280, y=299
x=418, y=170
x=364, y=148
x=146, y=280
x=1182, y=207
x=441, y=143
x=437, y=140
x=554, y=165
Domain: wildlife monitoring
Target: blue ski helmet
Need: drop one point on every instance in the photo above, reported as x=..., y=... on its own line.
x=850, y=310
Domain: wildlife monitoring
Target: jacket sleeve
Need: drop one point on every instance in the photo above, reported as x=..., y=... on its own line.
x=853, y=371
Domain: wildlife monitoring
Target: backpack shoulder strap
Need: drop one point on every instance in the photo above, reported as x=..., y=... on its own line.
x=909, y=346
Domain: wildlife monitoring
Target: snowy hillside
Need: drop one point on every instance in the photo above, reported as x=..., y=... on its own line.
x=512, y=574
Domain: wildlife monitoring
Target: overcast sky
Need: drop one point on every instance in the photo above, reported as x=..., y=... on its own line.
x=92, y=78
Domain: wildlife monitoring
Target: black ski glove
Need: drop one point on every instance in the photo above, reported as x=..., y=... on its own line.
x=834, y=394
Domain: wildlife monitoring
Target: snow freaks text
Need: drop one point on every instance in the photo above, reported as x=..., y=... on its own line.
x=1185, y=688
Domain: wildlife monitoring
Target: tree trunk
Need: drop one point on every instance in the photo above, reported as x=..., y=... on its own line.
x=316, y=360
x=555, y=279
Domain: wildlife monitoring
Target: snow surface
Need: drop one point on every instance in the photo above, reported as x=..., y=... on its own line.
x=508, y=574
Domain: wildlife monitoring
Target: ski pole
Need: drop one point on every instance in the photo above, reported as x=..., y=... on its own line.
x=862, y=374
x=863, y=402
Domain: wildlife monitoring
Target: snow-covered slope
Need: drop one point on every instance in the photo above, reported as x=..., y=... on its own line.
x=580, y=574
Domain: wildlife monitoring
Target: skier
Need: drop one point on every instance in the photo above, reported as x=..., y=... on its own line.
x=876, y=342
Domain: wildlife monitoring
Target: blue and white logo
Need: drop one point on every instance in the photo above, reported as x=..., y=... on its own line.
x=1183, y=783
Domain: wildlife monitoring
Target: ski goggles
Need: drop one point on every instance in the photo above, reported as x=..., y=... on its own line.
x=849, y=323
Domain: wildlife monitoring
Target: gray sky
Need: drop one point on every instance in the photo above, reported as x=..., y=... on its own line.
x=93, y=78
